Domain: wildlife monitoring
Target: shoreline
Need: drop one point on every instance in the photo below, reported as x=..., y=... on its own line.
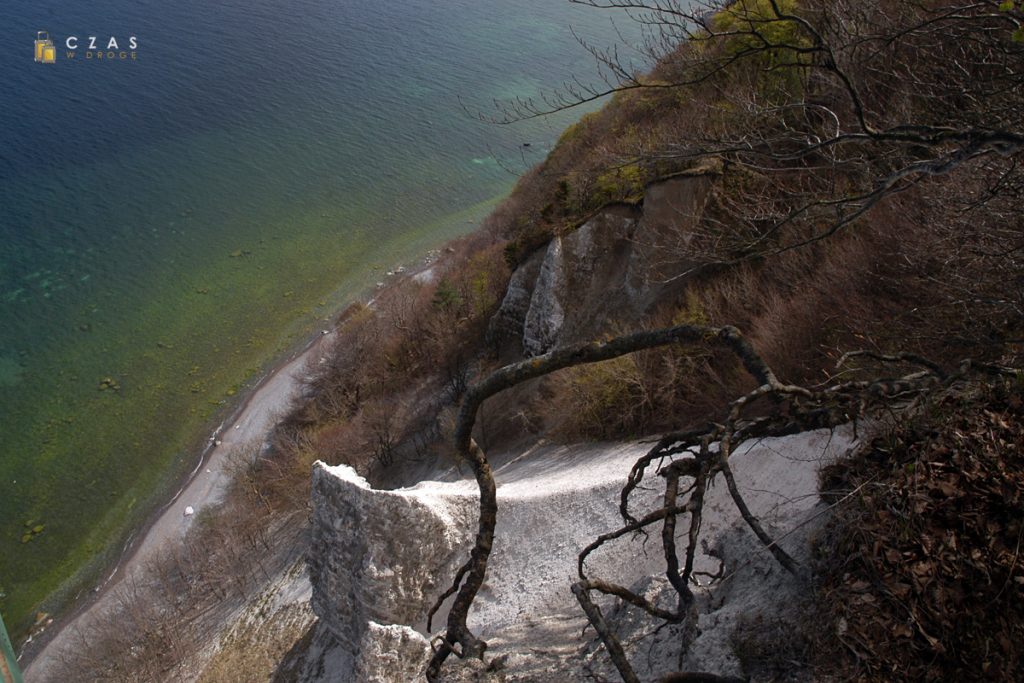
x=252, y=419
x=150, y=536
x=152, y=453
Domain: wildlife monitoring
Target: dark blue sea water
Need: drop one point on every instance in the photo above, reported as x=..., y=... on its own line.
x=172, y=221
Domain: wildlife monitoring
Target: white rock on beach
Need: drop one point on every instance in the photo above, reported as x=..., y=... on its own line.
x=189, y=511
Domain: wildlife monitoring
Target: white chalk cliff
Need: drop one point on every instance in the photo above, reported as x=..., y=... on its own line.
x=379, y=559
x=615, y=266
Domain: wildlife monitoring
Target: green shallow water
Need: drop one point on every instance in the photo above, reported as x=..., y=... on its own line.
x=205, y=325
x=191, y=356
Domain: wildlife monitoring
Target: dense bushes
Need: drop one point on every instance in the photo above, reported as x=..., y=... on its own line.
x=804, y=253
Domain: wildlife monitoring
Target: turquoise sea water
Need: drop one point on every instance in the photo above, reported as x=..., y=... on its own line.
x=170, y=223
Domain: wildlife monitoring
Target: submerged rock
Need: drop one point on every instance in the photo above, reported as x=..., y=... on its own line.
x=109, y=383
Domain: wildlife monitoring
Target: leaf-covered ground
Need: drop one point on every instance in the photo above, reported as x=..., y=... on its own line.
x=921, y=570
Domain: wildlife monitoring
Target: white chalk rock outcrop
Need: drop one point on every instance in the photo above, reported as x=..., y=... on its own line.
x=379, y=559
x=545, y=315
x=617, y=265
x=382, y=557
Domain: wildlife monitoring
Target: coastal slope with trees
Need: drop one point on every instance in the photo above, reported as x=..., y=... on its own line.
x=847, y=247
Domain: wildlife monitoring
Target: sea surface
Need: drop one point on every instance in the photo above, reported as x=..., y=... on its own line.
x=170, y=223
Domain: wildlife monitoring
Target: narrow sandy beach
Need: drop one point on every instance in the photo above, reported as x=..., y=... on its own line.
x=250, y=424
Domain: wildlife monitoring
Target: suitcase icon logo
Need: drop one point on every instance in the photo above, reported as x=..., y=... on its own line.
x=46, y=53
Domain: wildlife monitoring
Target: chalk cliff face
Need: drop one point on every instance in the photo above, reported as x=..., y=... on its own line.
x=616, y=265
x=377, y=562
x=380, y=558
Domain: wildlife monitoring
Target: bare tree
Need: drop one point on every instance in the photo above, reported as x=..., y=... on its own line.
x=815, y=113
x=697, y=456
